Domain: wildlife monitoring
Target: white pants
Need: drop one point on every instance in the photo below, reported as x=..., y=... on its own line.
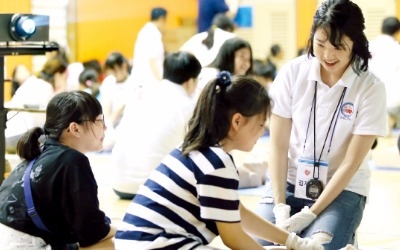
x=12, y=239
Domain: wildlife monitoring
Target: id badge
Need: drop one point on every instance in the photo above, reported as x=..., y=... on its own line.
x=305, y=169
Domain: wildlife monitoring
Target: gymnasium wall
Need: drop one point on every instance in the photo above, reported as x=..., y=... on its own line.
x=93, y=28
x=102, y=26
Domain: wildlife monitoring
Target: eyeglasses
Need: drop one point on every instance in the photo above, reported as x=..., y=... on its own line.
x=101, y=120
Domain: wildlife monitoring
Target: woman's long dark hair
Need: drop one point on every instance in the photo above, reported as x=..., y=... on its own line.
x=225, y=59
x=340, y=18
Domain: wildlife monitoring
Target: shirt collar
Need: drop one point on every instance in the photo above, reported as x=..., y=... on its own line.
x=178, y=87
x=347, y=79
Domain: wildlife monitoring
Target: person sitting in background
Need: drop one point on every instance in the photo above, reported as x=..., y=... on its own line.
x=235, y=56
x=149, y=131
x=96, y=65
x=73, y=68
x=274, y=57
x=34, y=93
x=89, y=82
x=206, y=45
x=192, y=196
x=55, y=181
x=385, y=64
x=55, y=72
x=263, y=73
x=116, y=88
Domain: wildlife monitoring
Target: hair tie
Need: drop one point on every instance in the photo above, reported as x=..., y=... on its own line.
x=224, y=79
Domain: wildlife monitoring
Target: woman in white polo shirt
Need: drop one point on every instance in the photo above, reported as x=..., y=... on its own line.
x=327, y=111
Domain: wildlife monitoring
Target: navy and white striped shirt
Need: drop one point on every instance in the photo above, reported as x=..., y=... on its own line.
x=180, y=202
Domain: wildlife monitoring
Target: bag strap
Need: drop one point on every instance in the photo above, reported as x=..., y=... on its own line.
x=29, y=200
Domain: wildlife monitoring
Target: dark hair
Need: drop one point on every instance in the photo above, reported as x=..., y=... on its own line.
x=179, y=67
x=263, y=69
x=63, y=108
x=273, y=52
x=340, y=18
x=225, y=59
x=55, y=64
x=390, y=26
x=218, y=102
x=114, y=60
x=158, y=12
x=89, y=78
x=222, y=21
x=300, y=51
x=93, y=64
x=61, y=51
x=275, y=49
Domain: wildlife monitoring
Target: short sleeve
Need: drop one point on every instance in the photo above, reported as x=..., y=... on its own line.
x=218, y=196
x=281, y=94
x=371, y=113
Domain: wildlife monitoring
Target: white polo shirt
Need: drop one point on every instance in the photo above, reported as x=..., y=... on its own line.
x=207, y=74
x=362, y=111
x=34, y=91
x=385, y=64
x=206, y=56
x=148, y=46
x=153, y=124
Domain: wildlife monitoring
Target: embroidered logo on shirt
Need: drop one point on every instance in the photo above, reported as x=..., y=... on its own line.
x=347, y=111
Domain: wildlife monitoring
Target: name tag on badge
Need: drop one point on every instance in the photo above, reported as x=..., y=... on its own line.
x=305, y=169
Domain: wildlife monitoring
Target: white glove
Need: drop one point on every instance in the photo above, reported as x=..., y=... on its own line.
x=295, y=242
x=282, y=213
x=299, y=221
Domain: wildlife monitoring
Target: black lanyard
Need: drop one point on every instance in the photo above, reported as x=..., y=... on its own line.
x=335, y=114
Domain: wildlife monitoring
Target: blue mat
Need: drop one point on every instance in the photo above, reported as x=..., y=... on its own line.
x=257, y=191
x=386, y=168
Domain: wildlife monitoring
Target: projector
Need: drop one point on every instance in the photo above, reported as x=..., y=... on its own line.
x=24, y=27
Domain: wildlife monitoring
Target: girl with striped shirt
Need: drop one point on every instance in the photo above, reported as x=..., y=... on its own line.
x=192, y=196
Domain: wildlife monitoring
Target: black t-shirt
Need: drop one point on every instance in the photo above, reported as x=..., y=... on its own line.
x=64, y=192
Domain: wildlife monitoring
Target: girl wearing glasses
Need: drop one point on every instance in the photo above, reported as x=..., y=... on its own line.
x=63, y=190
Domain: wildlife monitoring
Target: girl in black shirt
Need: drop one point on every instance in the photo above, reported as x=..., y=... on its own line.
x=64, y=190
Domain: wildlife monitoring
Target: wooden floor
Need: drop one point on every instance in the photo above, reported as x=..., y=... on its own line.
x=379, y=230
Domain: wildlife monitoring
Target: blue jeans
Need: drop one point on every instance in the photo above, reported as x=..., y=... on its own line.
x=337, y=224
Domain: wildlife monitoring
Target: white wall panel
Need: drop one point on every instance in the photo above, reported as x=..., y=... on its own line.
x=374, y=12
x=274, y=21
x=57, y=11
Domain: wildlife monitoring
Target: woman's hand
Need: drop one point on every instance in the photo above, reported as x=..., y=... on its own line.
x=299, y=221
x=295, y=242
